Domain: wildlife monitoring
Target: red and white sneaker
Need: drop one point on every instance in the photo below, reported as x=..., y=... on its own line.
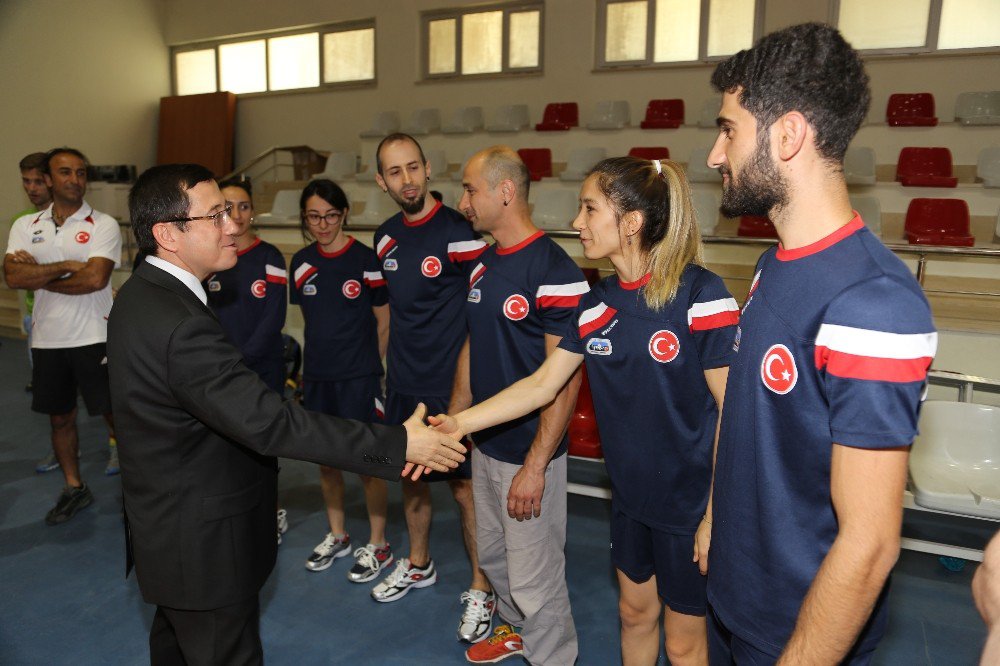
x=403, y=577
x=369, y=561
x=504, y=643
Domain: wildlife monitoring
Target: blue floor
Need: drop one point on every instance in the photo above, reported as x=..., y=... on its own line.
x=63, y=598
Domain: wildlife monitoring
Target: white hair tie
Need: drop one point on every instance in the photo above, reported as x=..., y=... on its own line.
x=659, y=167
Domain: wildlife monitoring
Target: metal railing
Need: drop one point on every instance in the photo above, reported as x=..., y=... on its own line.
x=306, y=161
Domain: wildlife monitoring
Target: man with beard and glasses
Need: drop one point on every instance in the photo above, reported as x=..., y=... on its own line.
x=426, y=252
x=832, y=353
x=66, y=254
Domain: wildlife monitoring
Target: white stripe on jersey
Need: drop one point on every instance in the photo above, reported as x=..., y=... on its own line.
x=302, y=270
x=878, y=344
x=572, y=289
x=712, y=308
x=275, y=271
x=591, y=314
x=371, y=276
x=382, y=243
x=465, y=246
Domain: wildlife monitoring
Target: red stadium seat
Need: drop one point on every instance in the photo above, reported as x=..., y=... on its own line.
x=756, y=226
x=584, y=440
x=925, y=167
x=538, y=161
x=938, y=222
x=650, y=152
x=559, y=117
x=663, y=114
x=911, y=110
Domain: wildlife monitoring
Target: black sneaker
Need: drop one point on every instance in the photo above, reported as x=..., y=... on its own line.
x=70, y=501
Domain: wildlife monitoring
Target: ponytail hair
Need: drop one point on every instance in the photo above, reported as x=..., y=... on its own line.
x=669, y=239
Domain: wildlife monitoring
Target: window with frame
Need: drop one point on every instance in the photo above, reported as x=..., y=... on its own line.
x=486, y=40
x=918, y=26
x=278, y=61
x=659, y=32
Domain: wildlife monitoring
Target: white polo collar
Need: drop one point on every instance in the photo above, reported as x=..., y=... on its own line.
x=189, y=280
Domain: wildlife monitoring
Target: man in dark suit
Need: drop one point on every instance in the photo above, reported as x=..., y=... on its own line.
x=198, y=432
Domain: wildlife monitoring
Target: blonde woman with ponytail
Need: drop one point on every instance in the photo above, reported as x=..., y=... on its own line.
x=657, y=340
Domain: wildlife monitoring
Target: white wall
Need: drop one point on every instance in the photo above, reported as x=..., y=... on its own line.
x=84, y=74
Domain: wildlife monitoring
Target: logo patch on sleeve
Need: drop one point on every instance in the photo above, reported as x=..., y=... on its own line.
x=599, y=346
x=475, y=296
x=309, y=290
x=214, y=285
x=390, y=264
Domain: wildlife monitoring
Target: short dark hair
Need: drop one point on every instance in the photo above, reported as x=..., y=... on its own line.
x=33, y=161
x=160, y=194
x=808, y=68
x=59, y=151
x=393, y=138
x=328, y=191
x=241, y=183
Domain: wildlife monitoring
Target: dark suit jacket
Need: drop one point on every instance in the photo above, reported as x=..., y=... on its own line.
x=198, y=433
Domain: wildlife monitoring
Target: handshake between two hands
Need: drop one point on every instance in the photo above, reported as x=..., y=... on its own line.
x=432, y=446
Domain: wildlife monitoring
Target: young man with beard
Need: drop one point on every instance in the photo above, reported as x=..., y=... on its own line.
x=426, y=252
x=824, y=392
x=66, y=254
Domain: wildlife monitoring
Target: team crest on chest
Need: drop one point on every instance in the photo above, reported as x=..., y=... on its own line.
x=82, y=237
x=778, y=371
x=258, y=288
x=664, y=346
x=430, y=267
x=515, y=307
x=351, y=289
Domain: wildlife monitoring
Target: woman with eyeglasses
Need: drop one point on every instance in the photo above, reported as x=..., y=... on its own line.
x=249, y=299
x=338, y=283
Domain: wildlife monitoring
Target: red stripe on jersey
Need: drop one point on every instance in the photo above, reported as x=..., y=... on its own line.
x=852, y=366
x=718, y=320
x=305, y=276
x=387, y=244
x=594, y=324
x=467, y=255
x=276, y=279
x=479, y=272
x=557, y=301
x=374, y=284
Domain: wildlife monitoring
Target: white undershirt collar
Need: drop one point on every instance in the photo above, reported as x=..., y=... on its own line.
x=189, y=280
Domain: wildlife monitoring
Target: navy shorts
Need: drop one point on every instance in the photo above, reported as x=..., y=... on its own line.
x=640, y=551
x=359, y=398
x=725, y=649
x=399, y=407
x=58, y=374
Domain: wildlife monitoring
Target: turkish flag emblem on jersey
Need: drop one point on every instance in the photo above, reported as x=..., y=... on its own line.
x=778, y=371
x=515, y=307
x=258, y=288
x=82, y=237
x=430, y=267
x=351, y=289
x=664, y=346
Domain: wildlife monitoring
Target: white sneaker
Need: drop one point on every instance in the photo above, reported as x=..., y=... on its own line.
x=477, y=616
x=329, y=549
x=403, y=577
x=282, y=523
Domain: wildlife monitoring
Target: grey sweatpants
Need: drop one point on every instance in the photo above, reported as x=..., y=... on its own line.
x=525, y=561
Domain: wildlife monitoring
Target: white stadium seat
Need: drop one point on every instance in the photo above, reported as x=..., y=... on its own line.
x=340, y=165
x=284, y=210
x=870, y=210
x=610, y=115
x=955, y=461
x=509, y=118
x=423, y=121
x=698, y=170
x=988, y=166
x=706, y=208
x=581, y=160
x=379, y=207
x=859, y=166
x=555, y=208
x=709, y=112
x=466, y=119
x=384, y=123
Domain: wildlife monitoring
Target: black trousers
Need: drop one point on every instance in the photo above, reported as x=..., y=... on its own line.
x=228, y=635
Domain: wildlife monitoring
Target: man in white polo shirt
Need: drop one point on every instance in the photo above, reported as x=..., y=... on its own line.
x=66, y=254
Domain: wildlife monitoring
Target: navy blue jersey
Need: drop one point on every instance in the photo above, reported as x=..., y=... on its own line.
x=337, y=292
x=249, y=300
x=516, y=296
x=426, y=265
x=655, y=413
x=834, y=345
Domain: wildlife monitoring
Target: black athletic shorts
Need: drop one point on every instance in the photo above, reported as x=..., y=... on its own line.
x=58, y=374
x=399, y=407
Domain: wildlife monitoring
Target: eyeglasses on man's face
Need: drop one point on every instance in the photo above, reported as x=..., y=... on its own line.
x=316, y=220
x=216, y=218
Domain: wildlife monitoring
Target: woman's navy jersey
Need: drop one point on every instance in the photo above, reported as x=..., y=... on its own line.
x=426, y=264
x=834, y=345
x=249, y=300
x=337, y=292
x=516, y=296
x=655, y=413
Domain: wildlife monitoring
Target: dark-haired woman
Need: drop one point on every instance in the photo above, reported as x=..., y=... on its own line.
x=657, y=339
x=338, y=283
